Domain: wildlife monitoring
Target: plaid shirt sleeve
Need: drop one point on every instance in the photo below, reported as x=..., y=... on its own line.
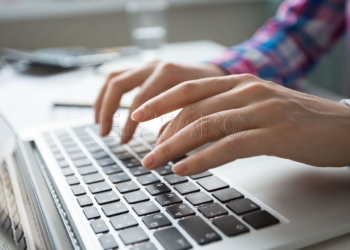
x=289, y=44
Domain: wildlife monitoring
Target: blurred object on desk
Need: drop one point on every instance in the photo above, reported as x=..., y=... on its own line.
x=148, y=24
x=85, y=91
x=71, y=113
x=59, y=58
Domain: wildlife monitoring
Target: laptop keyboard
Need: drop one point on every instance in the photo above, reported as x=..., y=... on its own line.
x=222, y=207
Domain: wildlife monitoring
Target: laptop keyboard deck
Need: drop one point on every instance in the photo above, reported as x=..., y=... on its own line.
x=114, y=180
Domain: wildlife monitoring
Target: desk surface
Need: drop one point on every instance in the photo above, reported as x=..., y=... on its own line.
x=27, y=100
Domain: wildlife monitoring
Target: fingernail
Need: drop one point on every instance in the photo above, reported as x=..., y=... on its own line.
x=148, y=160
x=138, y=114
x=180, y=167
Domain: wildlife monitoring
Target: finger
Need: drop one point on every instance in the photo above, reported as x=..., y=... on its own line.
x=200, y=132
x=160, y=80
x=162, y=129
x=185, y=94
x=115, y=90
x=230, y=148
x=99, y=99
x=195, y=111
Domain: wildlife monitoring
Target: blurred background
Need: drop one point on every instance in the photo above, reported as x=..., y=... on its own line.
x=32, y=24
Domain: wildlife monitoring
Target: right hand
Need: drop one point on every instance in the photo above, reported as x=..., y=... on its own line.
x=153, y=78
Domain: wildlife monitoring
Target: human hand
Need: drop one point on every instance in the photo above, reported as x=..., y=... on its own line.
x=153, y=78
x=247, y=117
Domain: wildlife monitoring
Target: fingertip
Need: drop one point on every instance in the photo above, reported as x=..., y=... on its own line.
x=180, y=168
x=138, y=114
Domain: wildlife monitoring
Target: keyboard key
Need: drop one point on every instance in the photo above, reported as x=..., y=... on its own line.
x=59, y=157
x=72, y=180
x=198, y=198
x=164, y=170
x=212, y=210
x=180, y=210
x=126, y=187
x=186, y=188
x=73, y=150
x=260, y=219
x=201, y=175
x=112, y=169
x=136, y=197
x=242, y=206
x=100, y=155
x=145, y=208
x=212, y=183
x=158, y=188
x=114, y=209
x=77, y=156
x=156, y=221
x=168, y=199
x=142, y=155
x=84, y=201
x=18, y=233
x=87, y=170
x=120, y=177
x=125, y=156
x=63, y=164
x=22, y=244
x=94, y=148
x=67, y=171
x=227, y=195
x=175, y=179
x=137, y=171
x=140, y=149
x=108, y=242
x=118, y=150
x=133, y=235
x=176, y=160
x=106, y=162
x=78, y=190
x=230, y=226
x=92, y=178
x=91, y=213
x=123, y=221
x=199, y=230
x=132, y=163
x=144, y=246
x=99, y=226
x=134, y=143
x=99, y=187
x=106, y=197
x=82, y=163
x=172, y=239
x=148, y=179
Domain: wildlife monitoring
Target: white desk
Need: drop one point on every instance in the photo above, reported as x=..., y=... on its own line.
x=26, y=101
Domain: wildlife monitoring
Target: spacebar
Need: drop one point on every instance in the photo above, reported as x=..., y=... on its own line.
x=199, y=230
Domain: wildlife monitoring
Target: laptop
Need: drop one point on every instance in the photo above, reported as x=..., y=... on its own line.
x=68, y=188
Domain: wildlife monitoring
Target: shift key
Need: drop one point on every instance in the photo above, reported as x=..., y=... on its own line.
x=199, y=230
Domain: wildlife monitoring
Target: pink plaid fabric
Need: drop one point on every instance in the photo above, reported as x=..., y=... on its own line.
x=289, y=45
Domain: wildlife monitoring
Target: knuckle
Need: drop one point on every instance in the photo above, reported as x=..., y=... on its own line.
x=187, y=88
x=164, y=149
x=258, y=88
x=232, y=145
x=167, y=66
x=246, y=77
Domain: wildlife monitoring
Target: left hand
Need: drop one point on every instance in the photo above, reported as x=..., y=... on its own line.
x=247, y=117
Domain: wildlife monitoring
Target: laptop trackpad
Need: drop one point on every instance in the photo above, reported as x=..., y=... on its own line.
x=294, y=190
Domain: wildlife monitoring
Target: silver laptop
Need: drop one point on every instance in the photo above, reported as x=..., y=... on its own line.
x=68, y=188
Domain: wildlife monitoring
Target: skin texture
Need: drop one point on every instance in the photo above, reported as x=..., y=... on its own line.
x=153, y=78
x=246, y=116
